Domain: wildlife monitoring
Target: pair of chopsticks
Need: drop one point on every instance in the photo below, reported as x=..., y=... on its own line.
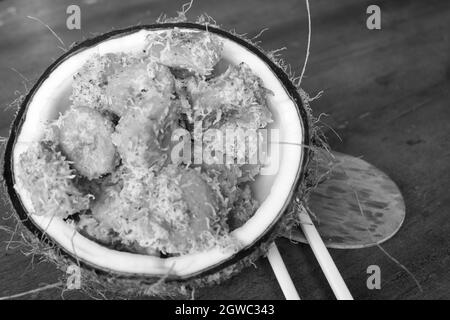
x=327, y=264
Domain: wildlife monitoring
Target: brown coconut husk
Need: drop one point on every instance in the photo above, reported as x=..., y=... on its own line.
x=102, y=284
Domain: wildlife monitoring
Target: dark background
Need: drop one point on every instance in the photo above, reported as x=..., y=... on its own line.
x=386, y=93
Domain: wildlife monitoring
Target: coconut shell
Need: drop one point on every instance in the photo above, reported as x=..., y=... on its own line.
x=105, y=281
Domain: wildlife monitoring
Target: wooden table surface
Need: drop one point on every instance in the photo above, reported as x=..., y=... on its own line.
x=386, y=93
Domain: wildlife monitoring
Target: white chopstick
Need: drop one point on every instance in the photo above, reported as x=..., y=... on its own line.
x=281, y=273
x=327, y=264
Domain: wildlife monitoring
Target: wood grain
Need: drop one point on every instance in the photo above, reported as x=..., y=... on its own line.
x=386, y=93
